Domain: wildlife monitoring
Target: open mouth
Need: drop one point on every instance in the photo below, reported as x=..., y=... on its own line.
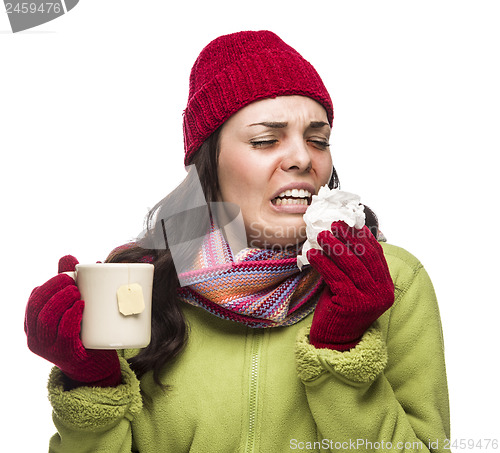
x=293, y=197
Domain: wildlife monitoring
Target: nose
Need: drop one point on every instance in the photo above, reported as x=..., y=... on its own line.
x=297, y=156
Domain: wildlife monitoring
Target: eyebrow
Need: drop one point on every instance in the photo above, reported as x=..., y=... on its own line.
x=273, y=124
x=318, y=124
x=278, y=125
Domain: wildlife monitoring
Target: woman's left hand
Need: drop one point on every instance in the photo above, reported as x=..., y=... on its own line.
x=359, y=286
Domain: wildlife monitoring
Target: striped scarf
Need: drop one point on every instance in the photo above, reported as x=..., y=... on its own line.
x=257, y=287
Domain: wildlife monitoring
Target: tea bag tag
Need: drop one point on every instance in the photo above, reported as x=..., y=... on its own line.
x=130, y=299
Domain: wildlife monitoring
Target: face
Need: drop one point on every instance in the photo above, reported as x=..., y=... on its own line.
x=274, y=155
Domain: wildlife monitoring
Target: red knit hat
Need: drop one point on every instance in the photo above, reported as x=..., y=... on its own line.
x=237, y=69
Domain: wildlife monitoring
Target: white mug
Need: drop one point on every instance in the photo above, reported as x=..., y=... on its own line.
x=117, y=296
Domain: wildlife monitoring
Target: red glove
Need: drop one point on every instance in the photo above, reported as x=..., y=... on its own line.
x=52, y=325
x=359, y=286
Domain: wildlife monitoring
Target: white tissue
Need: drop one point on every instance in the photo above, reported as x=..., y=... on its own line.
x=330, y=205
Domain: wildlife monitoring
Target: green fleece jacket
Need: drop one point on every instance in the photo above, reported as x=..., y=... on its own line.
x=238, y=389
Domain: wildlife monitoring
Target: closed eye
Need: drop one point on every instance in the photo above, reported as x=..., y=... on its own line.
x=262, y=143
x=320, y=144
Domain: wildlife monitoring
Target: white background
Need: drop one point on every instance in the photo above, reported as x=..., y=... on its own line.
x=91, y=137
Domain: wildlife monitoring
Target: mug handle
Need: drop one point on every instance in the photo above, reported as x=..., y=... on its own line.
x=71, y=274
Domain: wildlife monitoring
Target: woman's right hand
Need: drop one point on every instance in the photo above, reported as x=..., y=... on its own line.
x=52, y=325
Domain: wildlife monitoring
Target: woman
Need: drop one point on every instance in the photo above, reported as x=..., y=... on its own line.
x=345, y=355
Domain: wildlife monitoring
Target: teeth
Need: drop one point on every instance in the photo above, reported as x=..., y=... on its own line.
x=298, y=197
x=291, y=201
x=296, y=193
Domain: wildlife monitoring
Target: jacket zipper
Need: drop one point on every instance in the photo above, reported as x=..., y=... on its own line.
x=253, y=391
